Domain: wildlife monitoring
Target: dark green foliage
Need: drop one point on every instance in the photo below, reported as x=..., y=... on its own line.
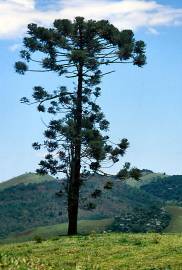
x=168, y=189
x=90, y=206
x=126, y=172
x=21, y=67
x=96, y=193
x=38, y=239
x=108, y=185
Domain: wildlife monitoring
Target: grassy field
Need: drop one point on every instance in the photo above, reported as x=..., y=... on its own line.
x=47, y=232
x=96, y=252
x=175, y=225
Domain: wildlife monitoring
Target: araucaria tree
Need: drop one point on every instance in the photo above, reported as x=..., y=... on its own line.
x=76, y=141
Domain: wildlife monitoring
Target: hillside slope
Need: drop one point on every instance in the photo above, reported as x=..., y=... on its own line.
x=23, y=207
x=85, y=227
x=27, y=178
x=175, y=225
x=30, y=201
x=168, y=189
x=146, y=179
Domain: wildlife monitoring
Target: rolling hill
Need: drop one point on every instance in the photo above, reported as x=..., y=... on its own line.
x=29, y=205
x=146, y=179
x=26, y=204
x=27, y=178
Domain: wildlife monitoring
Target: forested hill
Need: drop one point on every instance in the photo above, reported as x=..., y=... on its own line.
x=26, y=204
x=168, y=189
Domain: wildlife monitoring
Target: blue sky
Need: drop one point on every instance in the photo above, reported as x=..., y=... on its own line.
x=143, y=105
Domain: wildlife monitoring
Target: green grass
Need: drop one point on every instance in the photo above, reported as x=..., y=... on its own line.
x=96, y=252
x=26, y=179
x=175, y=225
x=47, y=232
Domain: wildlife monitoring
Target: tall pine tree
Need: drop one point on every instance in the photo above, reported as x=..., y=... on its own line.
x=77, y=142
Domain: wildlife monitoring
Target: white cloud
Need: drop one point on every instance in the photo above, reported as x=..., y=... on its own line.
x=153, y=31
x=23, y=3
x=134, y=14
x=14, y=47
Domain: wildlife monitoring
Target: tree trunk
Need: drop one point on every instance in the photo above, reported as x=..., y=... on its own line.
x=74, y=185
x=73, y=200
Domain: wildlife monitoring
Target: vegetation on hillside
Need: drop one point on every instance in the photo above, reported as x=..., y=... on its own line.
x=151, y=219
x=168, y=189
x=24, y=207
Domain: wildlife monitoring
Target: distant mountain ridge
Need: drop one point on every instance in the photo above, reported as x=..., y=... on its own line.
x=26, y=178
x=31, y=178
